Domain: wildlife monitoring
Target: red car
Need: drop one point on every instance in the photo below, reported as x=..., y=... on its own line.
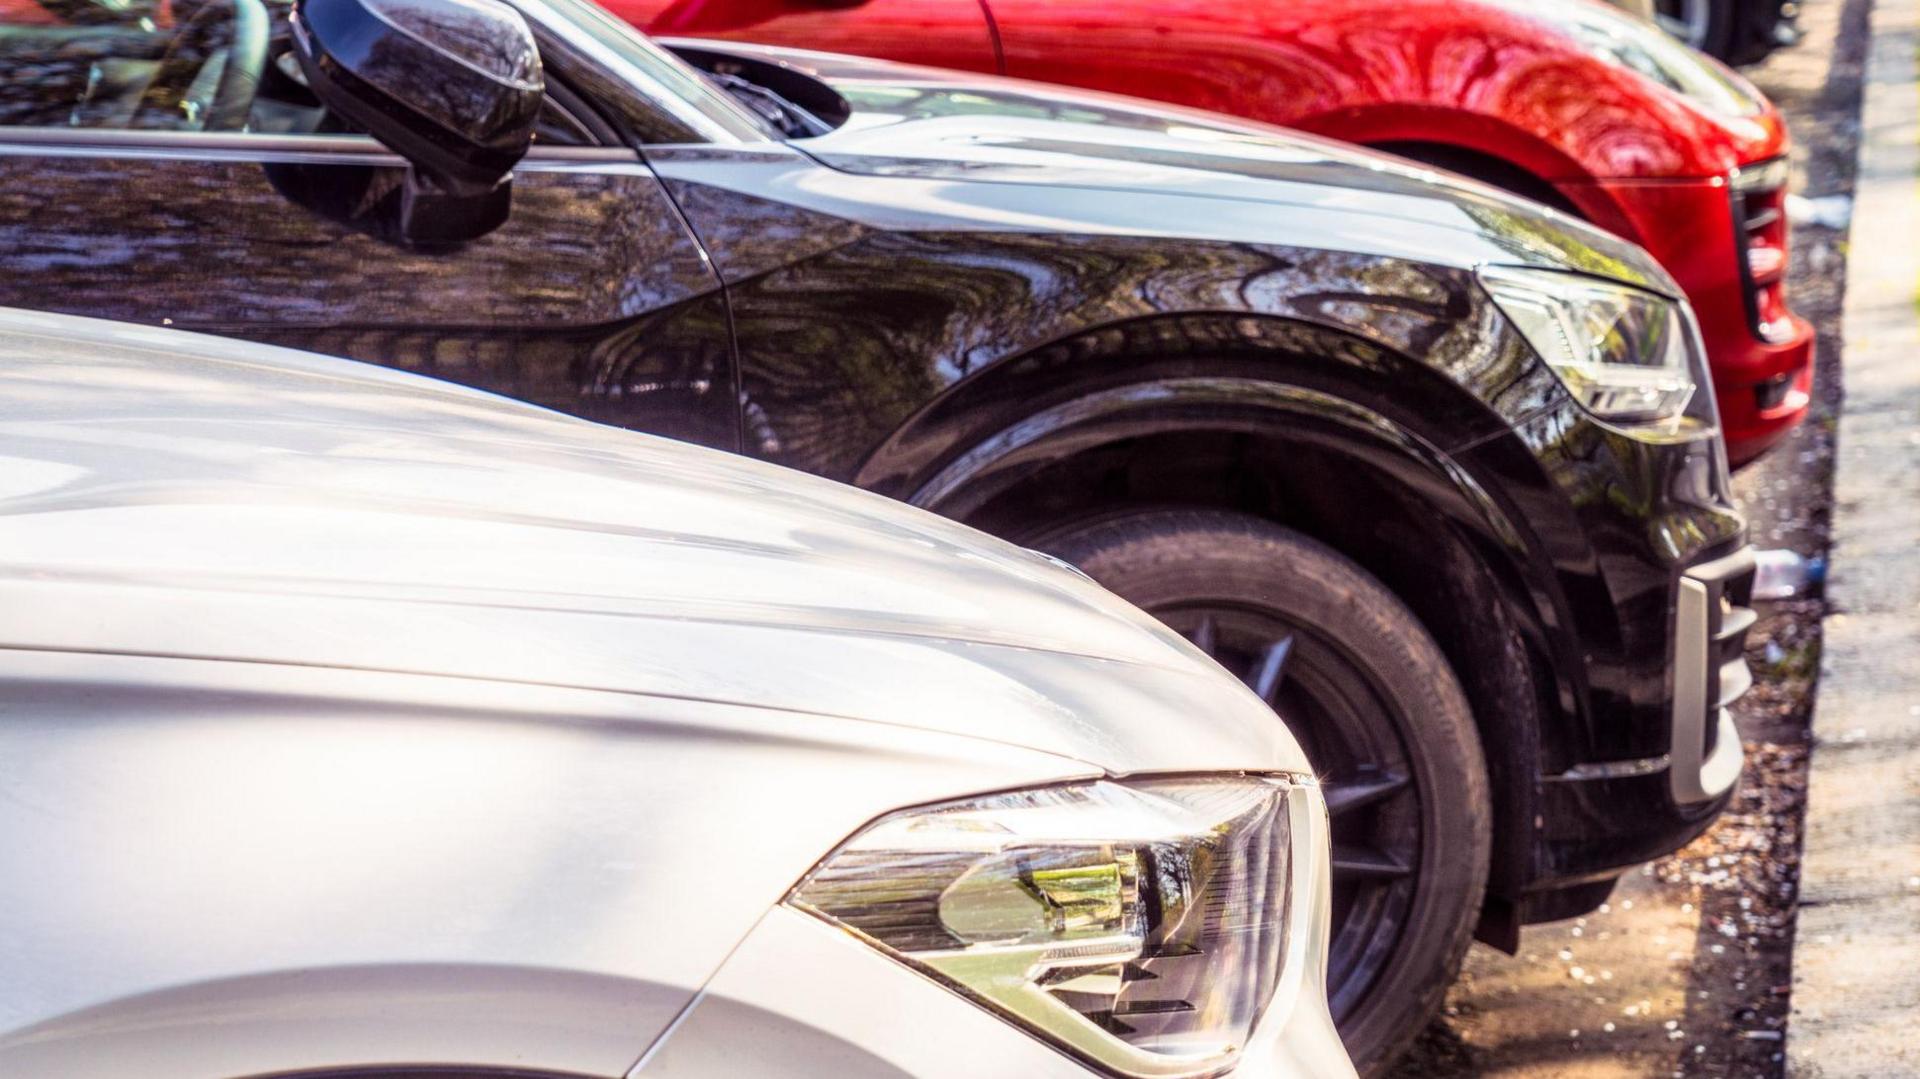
x=1569, y=102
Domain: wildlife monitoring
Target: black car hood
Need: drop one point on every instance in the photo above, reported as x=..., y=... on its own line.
x=1155, y=169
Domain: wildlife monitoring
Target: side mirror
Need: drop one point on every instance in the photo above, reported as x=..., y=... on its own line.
x=453, y=86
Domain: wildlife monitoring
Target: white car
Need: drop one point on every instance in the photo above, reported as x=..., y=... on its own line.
x=355, y=724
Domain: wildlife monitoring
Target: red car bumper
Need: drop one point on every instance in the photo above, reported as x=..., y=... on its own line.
x=1728, y=251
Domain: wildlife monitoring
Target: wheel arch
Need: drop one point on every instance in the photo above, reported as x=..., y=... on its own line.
x=1224, y=431
x=1586, y=201
x=1476, y=164
x=1458, y=127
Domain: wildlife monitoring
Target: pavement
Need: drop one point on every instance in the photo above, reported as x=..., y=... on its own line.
x=1856, y=981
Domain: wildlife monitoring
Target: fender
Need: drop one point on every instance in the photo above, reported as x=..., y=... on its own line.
x=1281, y=379
x=1264, y=408
x=1221, y=403
x=1486, y=76
x=1450, y=397
x=1505, y=478
x=1530, y=697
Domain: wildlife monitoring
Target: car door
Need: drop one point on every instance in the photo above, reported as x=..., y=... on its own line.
x=941, y=33
x=143, y=177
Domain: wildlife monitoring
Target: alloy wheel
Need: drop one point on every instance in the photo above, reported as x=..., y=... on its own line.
x=1343, y=723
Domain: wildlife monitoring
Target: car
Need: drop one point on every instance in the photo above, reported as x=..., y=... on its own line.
x=1568, y=102
x=1434, y=470
x=361, y=723
x=1736, y=31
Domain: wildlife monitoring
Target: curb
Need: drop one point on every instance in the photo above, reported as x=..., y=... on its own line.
x=1856, y=960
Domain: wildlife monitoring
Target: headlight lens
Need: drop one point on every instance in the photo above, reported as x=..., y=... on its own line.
x=1626, y=355
x=1140, y=926
x=1624, y=41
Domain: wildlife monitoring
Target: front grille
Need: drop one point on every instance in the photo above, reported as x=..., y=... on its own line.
x=1760, y=219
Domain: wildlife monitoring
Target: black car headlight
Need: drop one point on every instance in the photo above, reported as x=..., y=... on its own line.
x=1629, y=356
x=1140, y=926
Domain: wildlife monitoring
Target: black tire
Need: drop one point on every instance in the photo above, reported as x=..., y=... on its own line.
x=1707, y=25
x=1379, y=711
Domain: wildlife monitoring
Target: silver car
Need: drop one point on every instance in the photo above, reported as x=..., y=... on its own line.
x=352, y=723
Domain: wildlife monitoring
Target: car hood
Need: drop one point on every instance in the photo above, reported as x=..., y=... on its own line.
x=1155, y=169
x=165, y=493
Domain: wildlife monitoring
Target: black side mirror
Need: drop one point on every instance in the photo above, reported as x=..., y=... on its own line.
x=453, y=86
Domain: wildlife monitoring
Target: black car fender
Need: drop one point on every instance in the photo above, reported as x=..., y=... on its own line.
x=1250, y=381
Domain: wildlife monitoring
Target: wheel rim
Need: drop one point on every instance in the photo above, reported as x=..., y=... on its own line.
x=1342, y=721
x=1684, y=19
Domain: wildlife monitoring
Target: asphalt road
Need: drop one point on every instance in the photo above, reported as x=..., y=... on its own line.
x=1687, y=971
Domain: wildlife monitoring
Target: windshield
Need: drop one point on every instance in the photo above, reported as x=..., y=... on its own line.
x=693, y=99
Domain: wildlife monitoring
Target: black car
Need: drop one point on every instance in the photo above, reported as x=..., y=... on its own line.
x=1435, y=471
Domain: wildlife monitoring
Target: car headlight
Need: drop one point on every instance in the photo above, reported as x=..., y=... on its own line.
x=1140, y=926
x=1625, y=41
x=1627, y=355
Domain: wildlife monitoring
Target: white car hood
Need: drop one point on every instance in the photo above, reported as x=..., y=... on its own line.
x=177, y=495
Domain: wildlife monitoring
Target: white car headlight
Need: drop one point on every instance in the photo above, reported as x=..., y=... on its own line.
x=1639, y=46
x=1139, y=926
x=1627, y=355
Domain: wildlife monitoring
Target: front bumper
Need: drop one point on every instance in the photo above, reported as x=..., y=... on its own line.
x=1638, y=755
x=800, y=999
x=1599, y=818
x=1764, y=382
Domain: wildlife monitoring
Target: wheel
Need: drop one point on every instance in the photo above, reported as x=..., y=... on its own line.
x=1380, y=714
x=1707, y=25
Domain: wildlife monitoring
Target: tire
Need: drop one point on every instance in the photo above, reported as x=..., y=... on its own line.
x=1707, y=25
x=1371, y=698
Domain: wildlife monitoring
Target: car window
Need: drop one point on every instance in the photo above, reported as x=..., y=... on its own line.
x=172, y=65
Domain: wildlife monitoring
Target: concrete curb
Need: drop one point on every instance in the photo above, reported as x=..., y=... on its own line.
x=1856, y=962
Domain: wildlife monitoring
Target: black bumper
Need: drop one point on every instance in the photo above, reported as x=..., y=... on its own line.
x=1599, y=819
